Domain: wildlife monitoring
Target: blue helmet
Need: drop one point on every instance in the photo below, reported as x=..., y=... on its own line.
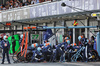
x=46, y=44
x=5, y=38
x=79, y=38
x=68, y=41
x=21, y=36
x=39, y=49
x=50, y=44
x=34, y=45
x=66, y=38
x=86, y=41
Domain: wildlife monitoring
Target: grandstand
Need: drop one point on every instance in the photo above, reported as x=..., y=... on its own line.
x=9, y=4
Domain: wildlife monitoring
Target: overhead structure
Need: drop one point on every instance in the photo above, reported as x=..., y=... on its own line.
x=96, y=15
x=46, y=19
x=70, y=27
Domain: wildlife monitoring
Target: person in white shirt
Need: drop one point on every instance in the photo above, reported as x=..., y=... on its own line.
x=33, y=2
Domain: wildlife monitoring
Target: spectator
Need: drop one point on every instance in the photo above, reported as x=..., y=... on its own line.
x=29, y=2
x=47, y=0
x=15, y=4
x=0, y=7
x=41, y=1
x=25, y=3
x=38, y=1
x=18, y=3
x=11, y=4
x=3, y=7
x=7, y=5
x=33, y=2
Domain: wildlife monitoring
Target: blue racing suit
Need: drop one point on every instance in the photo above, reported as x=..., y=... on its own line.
x=85, y=51
x=37, y=56
x=47, y=50
x=5, y=50
x=60, y=49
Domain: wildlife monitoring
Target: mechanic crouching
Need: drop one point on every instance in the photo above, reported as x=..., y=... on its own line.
x=47, y=51
x=60, y=49
x=37, y=55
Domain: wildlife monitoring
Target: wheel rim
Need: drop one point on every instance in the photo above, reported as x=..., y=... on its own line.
x=29, y=56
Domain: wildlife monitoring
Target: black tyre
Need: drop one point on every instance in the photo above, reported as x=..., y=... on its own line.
x=96, y=55
x=29, y=56
x=19, y=57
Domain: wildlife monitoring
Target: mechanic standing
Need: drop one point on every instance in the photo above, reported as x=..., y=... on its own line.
x=5, y=46
x=84, y=42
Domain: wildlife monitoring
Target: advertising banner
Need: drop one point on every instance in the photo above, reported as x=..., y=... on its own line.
x=4, y=16
x=25, y=13
x=15, y=14
x=49, y=9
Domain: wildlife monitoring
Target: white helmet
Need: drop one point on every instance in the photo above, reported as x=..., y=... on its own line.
x=5, y=38
x=21, y=36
